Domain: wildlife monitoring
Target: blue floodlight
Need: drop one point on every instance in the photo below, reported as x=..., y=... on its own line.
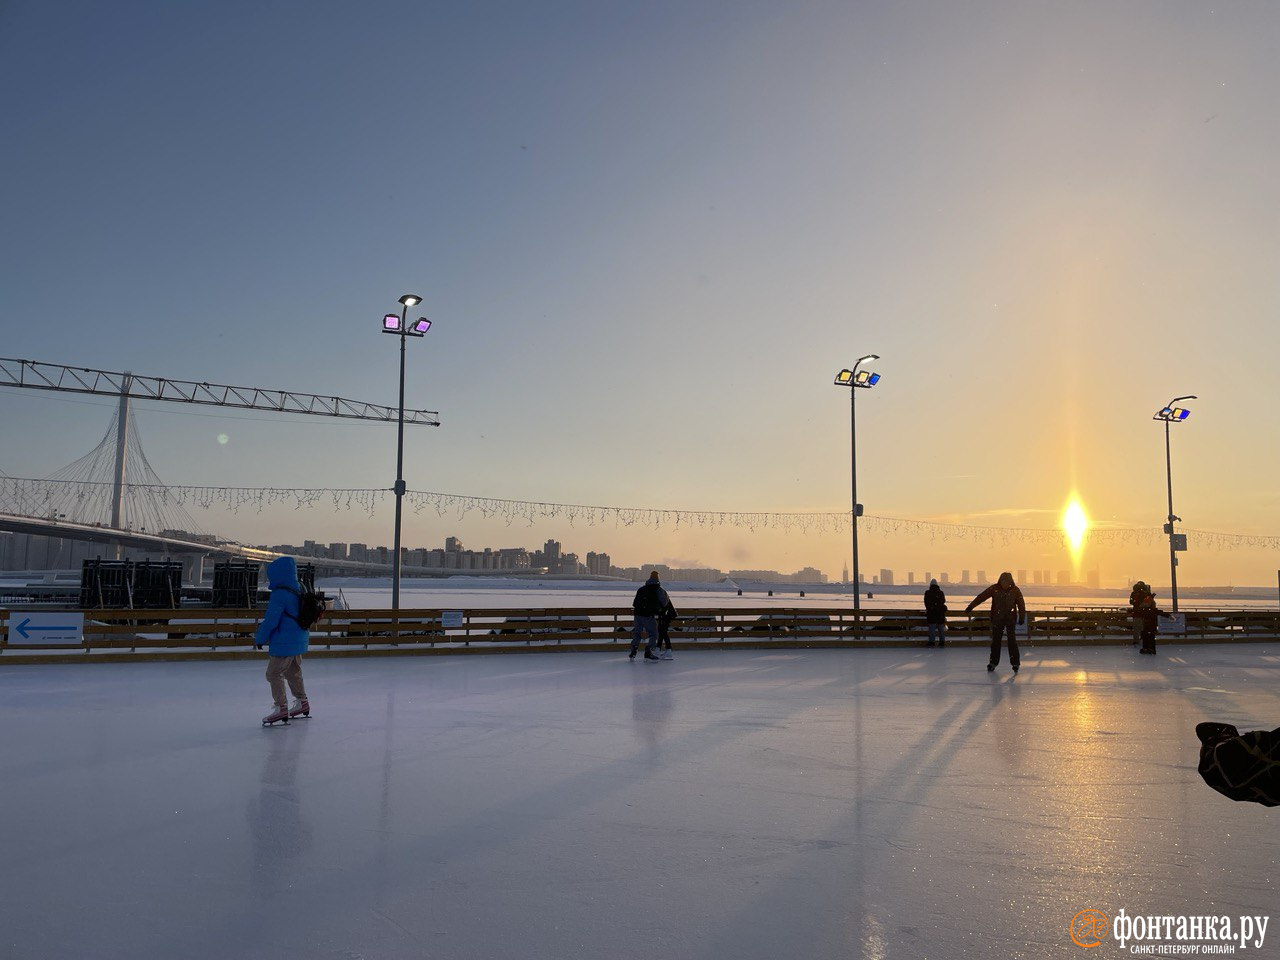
x=873, y=380
x=1181, y=413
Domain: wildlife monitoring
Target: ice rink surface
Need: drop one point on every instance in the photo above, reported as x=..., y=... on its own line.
x=893, y=803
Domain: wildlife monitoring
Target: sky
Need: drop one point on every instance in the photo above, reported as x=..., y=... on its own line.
x=648, y=237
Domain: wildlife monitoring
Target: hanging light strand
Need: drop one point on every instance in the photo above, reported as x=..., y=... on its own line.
x=79, y=501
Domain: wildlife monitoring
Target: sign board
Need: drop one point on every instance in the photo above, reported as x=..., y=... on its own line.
x=41, y=627
x=1174, y=623
x=1179, y=541
x=451, y=619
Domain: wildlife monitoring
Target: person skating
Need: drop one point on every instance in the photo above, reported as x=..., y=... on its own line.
x=665, y=618
x=1149, y=618
x=1008, y=612
x=286, y=641
x=935, y=613
x=650, y=601
x=1140, y=592
x=1242, y=766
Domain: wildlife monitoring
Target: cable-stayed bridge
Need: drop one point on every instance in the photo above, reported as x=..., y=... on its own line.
x=112, y=496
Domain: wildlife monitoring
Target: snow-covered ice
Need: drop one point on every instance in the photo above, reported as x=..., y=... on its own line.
x=870, y=804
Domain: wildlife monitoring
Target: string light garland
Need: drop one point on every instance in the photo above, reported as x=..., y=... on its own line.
x=72, y=498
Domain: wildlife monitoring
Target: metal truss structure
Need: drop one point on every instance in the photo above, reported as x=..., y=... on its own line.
x=50, y=376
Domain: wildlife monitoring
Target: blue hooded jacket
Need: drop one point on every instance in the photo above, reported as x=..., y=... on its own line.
x=279, y=631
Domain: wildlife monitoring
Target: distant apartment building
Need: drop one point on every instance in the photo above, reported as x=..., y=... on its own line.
x=1022, y=576
x=964, y=577
x=944, y=578
x=808, y=575
x=982, y=576
x=886, y=577
x=337, y=551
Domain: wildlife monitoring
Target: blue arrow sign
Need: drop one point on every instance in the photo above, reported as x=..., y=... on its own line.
x=23, y=628
x=42, y=629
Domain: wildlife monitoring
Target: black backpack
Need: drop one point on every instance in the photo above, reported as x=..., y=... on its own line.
x=310, y=607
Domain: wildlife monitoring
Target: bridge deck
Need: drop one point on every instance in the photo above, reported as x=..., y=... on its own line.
x=817, y=804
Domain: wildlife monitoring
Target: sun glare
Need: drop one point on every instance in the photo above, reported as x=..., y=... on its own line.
x=1076, y=524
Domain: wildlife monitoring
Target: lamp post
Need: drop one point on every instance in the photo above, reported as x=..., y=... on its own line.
x=398, y=324
x=1172, y=413
x=856, y=379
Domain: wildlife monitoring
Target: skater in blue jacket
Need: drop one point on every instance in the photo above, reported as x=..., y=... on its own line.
x=285, y=640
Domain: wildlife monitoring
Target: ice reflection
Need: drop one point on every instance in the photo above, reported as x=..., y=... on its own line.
x=651, y=706
x=278, y=827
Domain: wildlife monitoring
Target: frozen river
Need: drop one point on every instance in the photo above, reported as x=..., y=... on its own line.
x=729, y=805
x=495, y=592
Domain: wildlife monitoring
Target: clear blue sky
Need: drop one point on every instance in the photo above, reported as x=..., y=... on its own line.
x=648, y=236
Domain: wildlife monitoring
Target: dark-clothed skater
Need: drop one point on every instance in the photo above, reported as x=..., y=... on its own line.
x=665, y=618
x=1139, y=593
x=1008, y=611
x=935, y=613
x=1149, y=618
x=650, y=601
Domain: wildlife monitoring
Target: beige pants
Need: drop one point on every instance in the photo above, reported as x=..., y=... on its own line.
x=280, y=669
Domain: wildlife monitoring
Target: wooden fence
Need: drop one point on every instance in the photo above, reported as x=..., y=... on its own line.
x=228, y=633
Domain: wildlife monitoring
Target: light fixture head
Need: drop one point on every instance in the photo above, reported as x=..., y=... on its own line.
x=862, y=360
x=409, y=300
x=421, y=326
x=391, y=323
x=844, y=378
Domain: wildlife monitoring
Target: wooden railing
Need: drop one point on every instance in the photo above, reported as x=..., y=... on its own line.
x=228, y=633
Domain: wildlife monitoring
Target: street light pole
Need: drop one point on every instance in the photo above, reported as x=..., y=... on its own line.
x=399, y=487
x=856, y=379
x=399, y=325
x=1171, y=413
x=853, y=483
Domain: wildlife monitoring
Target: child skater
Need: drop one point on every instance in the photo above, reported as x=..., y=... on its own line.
x=1149, y=614
x=665, y=616
x=286, y=641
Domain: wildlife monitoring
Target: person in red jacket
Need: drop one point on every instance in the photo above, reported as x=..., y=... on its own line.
x=1008, y=610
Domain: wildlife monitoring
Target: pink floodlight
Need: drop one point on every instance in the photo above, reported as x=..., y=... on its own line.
x=391, y=321
x=422, y=325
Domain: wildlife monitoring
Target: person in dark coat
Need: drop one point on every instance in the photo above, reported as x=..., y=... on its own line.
x=665, y=618
x=1008, y=611
x=1140, y=592
x=650, y=601
x=1149, y=619
x=1242, y=766
x=935, y=613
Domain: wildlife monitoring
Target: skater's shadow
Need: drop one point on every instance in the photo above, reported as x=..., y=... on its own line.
x=651, y=707
x=278, y=827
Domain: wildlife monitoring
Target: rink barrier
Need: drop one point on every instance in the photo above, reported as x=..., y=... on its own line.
x=204, y=633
